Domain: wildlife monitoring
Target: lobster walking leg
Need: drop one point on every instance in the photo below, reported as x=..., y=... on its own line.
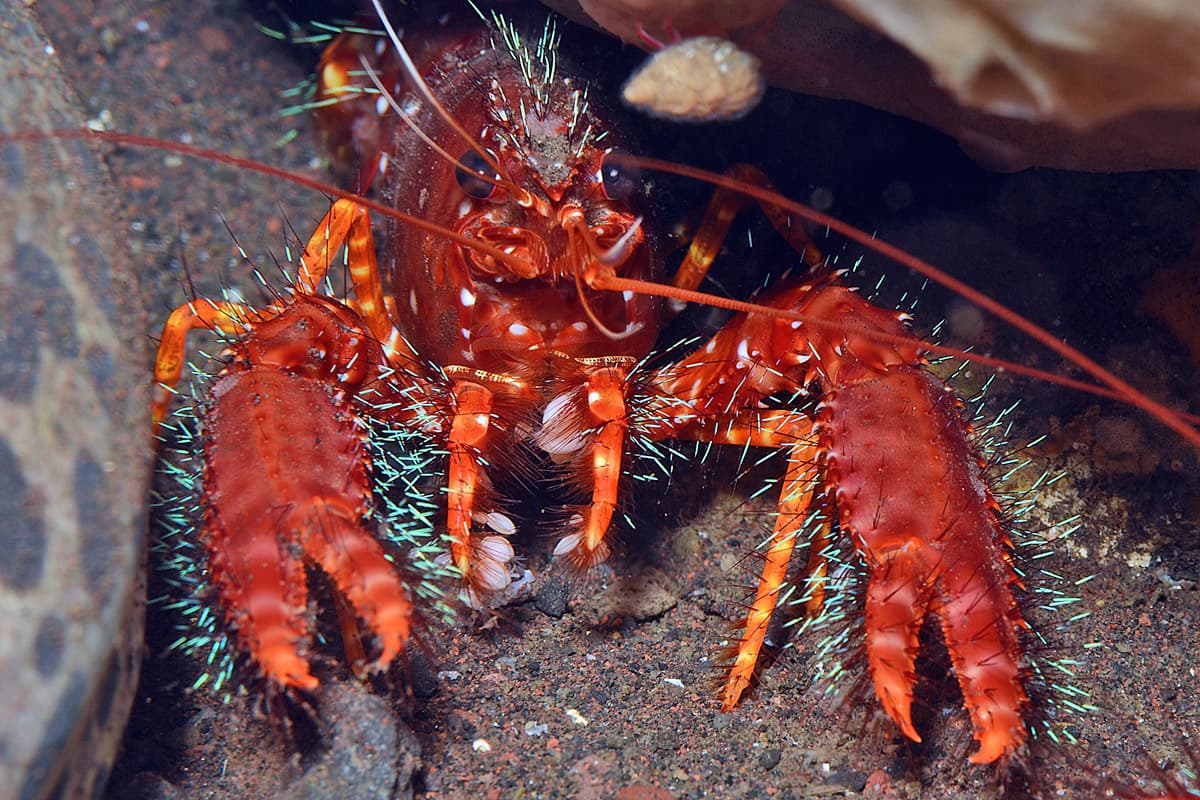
x=600, y=407
x=481, y=559
x=346, y=223
x=779, y=429
x=723, y=207
x=225, y=317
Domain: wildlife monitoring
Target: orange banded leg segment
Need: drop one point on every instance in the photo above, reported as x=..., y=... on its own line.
x=896, y=603
x=779, y=429
x=724, y=206
x=795, y=496
x=482, y=562
x=607, y=411
x=348, y=223
x=224, y=316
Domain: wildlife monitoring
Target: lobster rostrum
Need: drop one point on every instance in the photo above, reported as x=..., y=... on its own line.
x=525, y=333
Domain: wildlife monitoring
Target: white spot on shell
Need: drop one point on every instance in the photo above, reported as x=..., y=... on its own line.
x=466, y=297
x=381, y=105
x=492, y=575
x=517, y=329
x=555, y=407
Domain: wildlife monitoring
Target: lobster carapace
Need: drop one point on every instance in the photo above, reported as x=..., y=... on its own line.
x=533, y=350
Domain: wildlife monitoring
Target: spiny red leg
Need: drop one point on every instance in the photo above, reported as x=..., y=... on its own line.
x=724, y=206
x=777, y=429
x=794, y=498
x=606, y=415
x=483, y=563
x=223, y=316
x=348, y=223
x=714, y=395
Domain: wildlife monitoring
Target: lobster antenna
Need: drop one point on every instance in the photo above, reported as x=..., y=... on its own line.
x=610, y=282
x=414, y=77
x=408, y=120
x=1128, y=393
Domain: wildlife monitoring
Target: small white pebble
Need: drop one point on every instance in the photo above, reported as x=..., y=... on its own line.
x=535, y=729
x=481, y=746
x=674, y=682
x=576, y=717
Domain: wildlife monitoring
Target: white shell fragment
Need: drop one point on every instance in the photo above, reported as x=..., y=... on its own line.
x=704, y=79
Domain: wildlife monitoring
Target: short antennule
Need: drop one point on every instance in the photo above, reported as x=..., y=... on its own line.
x=418, y=83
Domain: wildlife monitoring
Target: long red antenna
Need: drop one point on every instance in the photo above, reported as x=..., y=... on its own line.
x=1128, y=393
x=1120, y=390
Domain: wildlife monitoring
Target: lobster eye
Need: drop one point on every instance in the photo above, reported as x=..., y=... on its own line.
x=474, y=179
x=619, y=174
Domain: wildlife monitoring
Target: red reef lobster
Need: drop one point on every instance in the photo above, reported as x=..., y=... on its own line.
x=528, y=329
